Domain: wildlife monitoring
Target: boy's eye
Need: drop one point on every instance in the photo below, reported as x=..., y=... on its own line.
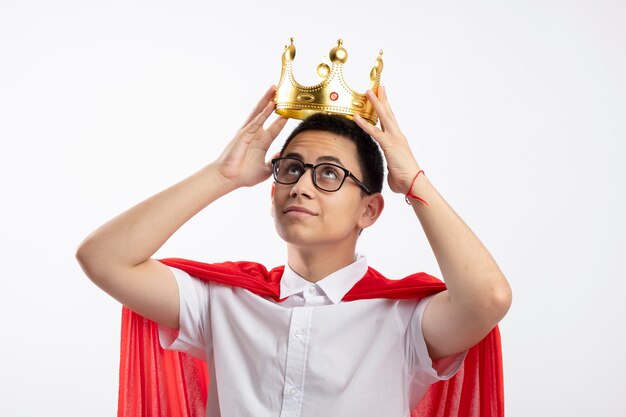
x=329, y=172
x=293, y=168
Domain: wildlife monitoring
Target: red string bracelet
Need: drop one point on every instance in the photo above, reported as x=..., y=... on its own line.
x=410, y=194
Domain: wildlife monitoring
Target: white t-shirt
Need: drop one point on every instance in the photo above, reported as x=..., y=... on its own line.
x=309, y=355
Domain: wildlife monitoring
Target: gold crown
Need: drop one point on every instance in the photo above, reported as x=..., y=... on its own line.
x=331, y=95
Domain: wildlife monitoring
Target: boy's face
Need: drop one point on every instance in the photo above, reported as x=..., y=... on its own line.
x=306, y=216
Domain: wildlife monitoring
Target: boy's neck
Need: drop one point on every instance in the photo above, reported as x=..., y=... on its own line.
x=316, y=264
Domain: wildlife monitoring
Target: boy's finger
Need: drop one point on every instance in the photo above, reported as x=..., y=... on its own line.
x=260, y=106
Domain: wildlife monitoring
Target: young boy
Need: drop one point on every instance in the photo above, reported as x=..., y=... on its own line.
x=308, y=352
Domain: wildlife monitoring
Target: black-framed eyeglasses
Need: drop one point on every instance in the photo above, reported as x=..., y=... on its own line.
x=326, y=176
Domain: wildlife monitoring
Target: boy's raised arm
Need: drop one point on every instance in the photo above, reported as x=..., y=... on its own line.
x=117, y=256
x=478, y=294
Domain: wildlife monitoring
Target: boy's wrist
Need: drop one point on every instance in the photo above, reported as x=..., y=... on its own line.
x=217, y=180
x=416, y=189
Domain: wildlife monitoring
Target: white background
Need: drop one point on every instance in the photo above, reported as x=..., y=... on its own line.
x=514, y=109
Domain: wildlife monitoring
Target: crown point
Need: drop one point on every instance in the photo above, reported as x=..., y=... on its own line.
x=291, y=39
x=338, y=55
x=378, y=65
x=323, y=70
x=290, y=52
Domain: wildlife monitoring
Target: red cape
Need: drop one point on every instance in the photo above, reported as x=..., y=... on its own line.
x=163, y=383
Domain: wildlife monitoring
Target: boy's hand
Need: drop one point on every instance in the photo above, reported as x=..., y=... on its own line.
x=243, y=161
x=401, y=163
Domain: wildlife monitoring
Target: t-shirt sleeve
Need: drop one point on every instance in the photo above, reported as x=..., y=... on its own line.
x=194, y=335
x=423, y=370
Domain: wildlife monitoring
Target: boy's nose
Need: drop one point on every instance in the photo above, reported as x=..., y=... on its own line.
x=305, y=185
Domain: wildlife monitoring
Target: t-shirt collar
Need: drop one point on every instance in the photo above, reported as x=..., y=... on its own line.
x=335, y=285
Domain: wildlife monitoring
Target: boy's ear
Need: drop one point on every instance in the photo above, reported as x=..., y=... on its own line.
x=374, y=205
x=273, y=190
